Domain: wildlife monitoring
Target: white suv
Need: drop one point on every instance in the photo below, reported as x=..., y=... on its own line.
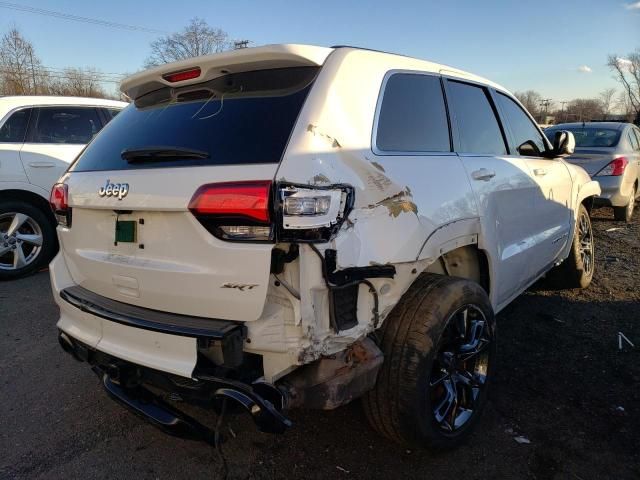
x=295, y=226
x=39, y=137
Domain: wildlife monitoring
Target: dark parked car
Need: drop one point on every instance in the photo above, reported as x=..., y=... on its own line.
x=610, y=153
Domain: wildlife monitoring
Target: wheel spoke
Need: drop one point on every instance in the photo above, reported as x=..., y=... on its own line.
x=19, y=259
x=16, y=223
x=443, y=410
x=469, y=380
x=4, y=250
x=444, y=376
x=33, y=239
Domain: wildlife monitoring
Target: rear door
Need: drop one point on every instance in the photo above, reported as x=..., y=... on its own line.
x=171, y=201
x=56, y=136
x=551, y=218
x=501, y=183
x=12, y=134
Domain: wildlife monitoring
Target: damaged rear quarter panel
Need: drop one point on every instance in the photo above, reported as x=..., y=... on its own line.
x=400, y=200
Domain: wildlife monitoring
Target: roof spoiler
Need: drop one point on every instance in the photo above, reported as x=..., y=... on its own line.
x=216, y=65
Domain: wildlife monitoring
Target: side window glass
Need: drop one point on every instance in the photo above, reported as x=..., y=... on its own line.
x=479, y=131
x=111, y=113
x=72, y=125
x=527, y=137
x=15, y=128
x=413, y=116
x=635, y=134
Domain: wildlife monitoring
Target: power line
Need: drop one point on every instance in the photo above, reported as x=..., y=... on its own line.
x=78, y=18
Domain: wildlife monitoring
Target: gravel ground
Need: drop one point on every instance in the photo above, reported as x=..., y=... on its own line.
x=562, y=384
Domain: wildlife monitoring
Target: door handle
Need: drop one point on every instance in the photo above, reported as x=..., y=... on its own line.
x=483, y=174
x=539, y=172
x=42, y=164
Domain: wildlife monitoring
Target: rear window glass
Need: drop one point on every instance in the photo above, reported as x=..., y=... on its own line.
x=14, y=129
x=240, y=118
x=589, y=136
x=413, y=117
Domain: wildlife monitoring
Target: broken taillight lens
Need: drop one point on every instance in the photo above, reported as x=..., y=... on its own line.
x=614, y=168
x=59, y=201
x=235, y=210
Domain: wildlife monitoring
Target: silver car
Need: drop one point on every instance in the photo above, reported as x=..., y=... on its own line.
x=610, y=153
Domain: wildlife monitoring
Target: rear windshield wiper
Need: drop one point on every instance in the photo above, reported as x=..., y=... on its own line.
x=159, y=154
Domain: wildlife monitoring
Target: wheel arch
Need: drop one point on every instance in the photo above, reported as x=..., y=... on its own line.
x=30, y=197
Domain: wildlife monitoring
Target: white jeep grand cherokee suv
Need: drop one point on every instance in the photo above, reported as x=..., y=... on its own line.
x=295, y=226
x=39, y=137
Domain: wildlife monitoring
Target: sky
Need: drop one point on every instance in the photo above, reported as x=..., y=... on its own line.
x=558, y=48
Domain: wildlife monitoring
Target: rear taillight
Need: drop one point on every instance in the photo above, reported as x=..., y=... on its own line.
x=59, y=201
x=615, y=168
x=235, y=210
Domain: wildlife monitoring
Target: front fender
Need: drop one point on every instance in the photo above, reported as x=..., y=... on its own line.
x=586, y=190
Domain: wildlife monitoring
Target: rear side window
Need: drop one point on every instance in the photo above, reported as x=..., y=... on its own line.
x=111, y=112
x=238, y=118
x=66, y=125
x=478, y=128
x=528, y=139
x=413, y=116
x=634, y=138
x=15, y=128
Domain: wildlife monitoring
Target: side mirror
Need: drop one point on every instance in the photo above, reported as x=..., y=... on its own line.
x=564, y=143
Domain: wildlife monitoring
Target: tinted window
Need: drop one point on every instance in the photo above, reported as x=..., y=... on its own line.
x=14, y=129
x=634, y=138
x=478, y=127
x=589, y=136
x=239, y=118
x=112, y=112
x=528, y=139
x=413, y=117
x=73, y=125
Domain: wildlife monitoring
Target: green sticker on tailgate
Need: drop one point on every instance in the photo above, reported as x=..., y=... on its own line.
x=126, y=231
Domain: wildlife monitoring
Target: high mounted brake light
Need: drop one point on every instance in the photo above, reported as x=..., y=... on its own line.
x=615, y=168
x=59, y=201
x=182, y=75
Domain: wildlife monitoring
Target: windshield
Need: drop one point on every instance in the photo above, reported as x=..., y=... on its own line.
x=589, y=136
x=240, y=118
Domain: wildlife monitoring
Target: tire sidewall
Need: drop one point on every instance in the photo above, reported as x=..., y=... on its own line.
x=49, y=238
x=584, y=278
x=427, y=430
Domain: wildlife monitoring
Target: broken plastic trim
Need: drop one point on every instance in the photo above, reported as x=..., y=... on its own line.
x=350, y=277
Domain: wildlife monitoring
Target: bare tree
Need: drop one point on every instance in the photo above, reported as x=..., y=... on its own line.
x=607, y=101
x=627, y=73
x=19, y=66
x=531, y=100
x=583, y=110
x=77, y=82
x=197, y=38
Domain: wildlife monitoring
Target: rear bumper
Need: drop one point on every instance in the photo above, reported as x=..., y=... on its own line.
x=136, y=388
x=614, y=192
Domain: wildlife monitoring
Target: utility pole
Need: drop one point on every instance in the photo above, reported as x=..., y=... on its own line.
x=562, y=104
x=545, y=103
x=33, y=72
x=238, y=44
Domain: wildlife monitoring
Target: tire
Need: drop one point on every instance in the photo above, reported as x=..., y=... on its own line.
x=577, y=270
x=419, y=338
x=624, y=214
x=35, y=238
